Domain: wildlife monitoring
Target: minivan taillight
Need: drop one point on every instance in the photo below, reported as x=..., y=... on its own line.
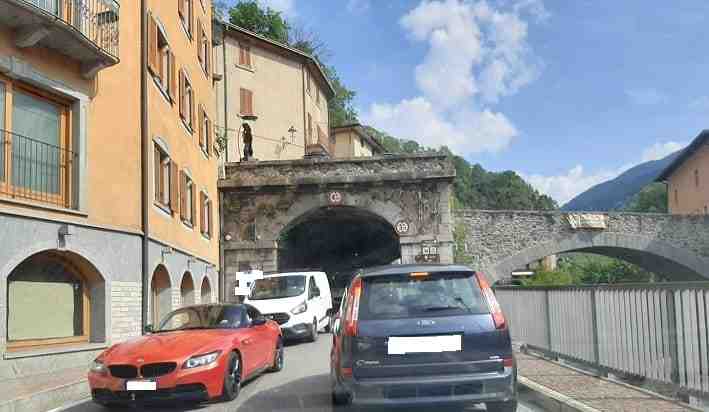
x=353, y=308
x=492, y=302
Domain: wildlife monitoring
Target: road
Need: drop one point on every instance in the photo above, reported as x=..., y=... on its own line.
x=303, y=385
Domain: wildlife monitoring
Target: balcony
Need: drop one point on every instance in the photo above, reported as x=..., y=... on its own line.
x=35, y=171
x=85, y=30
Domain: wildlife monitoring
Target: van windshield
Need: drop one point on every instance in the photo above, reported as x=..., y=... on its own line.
x=276, y=287
x=438, y=294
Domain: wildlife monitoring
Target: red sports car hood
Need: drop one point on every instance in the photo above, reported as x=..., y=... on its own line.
x=169, y=346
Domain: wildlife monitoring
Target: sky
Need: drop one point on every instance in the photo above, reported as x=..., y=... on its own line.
x=566, y=93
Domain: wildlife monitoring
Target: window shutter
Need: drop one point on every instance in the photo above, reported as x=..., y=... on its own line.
x=242, y=57
x=247, y=55
x=171, y=73
x=183, y=194
x=190, y=4
x=200, y=126
x=202, y=215
x=153, y=45
x=209, y=137
x=199, y=41
x=174, y=186
x=157, y=177
x=250, y=101
x=242, y=101
x=193, y=218
x=182, y=94
x=192, y=108
x=181, y=7
x=209, y=220
x=208, y=56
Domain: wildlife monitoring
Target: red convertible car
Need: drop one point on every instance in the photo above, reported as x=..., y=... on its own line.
x=198, y=353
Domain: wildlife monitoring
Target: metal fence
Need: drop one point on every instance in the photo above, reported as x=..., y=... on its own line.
x=655, y=331
x=34, y=170
x=97, y=20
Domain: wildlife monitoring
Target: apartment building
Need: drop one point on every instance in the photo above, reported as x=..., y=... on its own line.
x=687, y=179
x=279, y=93
x=354, y=141
x=108, y=199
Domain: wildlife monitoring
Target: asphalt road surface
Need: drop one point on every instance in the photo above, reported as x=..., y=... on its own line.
x=302, y=385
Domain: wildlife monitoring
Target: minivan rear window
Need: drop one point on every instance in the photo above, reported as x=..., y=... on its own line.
x=435, y=294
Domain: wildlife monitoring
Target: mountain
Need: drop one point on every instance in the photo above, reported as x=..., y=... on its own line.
x=615, y=193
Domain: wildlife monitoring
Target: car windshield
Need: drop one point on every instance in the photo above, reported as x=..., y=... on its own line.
x=276, y=287
x=204, y=317
x=436, y=294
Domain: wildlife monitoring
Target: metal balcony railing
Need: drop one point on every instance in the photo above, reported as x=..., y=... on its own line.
x=36, y=171
x=96, y=20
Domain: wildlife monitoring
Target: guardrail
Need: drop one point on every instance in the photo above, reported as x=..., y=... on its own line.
x=659, y=332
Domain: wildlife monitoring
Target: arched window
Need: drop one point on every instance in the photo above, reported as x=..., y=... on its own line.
x=187, y=289
x=50, y=297
x=206, y=293
x=161, y=294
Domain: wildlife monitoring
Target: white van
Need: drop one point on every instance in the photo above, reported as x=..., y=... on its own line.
x=300, y=302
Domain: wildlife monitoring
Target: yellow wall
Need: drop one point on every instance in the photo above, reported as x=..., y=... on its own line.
x=113, y=195
x=166, y=124
x=277, y=83
x=350, y=144
x=690, y=199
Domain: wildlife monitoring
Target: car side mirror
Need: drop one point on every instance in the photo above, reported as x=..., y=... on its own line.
x=148, y=328
x=258, y=322
x=316, y=292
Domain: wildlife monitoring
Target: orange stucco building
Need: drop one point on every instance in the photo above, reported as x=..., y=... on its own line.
x=108, y=171
x=687, y=179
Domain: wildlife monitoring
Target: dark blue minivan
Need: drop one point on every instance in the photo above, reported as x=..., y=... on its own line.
x=422, y=334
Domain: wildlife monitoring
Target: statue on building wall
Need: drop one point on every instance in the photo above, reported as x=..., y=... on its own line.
x=248, y=142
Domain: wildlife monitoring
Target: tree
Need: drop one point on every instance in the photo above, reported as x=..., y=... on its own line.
x=651, y=199
x=264, y=21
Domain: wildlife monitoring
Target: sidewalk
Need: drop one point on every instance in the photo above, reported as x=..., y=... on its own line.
x=43, y=392
x=584, y=392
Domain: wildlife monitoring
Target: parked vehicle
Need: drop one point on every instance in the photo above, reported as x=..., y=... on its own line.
x=300, y=302
x=196, y=354
x=421, y=334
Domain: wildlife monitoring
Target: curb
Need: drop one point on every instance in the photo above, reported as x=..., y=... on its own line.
x=550, y=400
x=48, y=399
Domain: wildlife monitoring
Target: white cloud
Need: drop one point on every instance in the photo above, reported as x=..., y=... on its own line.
x=287, y=7
x=534, y=7
x=660, y=150
x=477, y=54
x=646, y=97
x=700, y=104
x=358, y=6
x=567, y=185
x=467, y=131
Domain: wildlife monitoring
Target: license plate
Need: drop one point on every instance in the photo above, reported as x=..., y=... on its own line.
x=141, y=386
x=401, y=345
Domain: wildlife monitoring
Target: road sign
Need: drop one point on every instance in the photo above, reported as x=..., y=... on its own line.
x=402, y=227
x=335, y=198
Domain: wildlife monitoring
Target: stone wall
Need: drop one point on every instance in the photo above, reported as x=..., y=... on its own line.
x=125, y=310
x=498, y=240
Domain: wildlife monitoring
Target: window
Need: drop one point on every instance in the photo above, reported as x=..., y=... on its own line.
x=205, y=222
x=162, y=177
x=696, y=177
x=185, y=9
x=676, y=197
x=317, y=97
x=187, y=200
x=205, y=132
x=247, y=102
x=705, y=209
x=186, y=101
x=36, y=156
x=244, y=55
x=161, y=60
x=204, y=52
x=307, y=81
x=49, y=302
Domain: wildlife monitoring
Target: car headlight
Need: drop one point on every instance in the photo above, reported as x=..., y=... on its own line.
x=98, y=367
x=201, y=360
x=300, y=308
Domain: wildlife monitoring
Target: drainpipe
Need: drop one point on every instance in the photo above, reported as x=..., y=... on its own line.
x=145, y=182
x=305, y=110
x=222, y=272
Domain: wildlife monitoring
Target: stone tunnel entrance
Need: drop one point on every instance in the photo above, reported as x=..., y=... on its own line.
x=335, y=215
x=338, y=239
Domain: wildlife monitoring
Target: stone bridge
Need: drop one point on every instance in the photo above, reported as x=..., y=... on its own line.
x=499, y=242
x=331, y=214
